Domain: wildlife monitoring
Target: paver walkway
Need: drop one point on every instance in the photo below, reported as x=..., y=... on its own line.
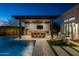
x=43, y=49
x=60, y=51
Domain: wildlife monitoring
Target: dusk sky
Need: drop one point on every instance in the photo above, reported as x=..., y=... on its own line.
x=6, y=10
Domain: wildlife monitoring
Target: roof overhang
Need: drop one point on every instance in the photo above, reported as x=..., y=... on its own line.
x=35, y=17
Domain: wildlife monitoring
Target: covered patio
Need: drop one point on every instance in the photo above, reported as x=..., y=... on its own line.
x=43, y=24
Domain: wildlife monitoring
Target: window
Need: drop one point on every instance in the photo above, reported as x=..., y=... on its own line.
x=66, y=20
x=73, y=18
x=70, y=19
x=39, y=27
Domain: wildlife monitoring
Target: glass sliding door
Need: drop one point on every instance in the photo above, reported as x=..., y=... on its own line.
x=66, y=29
x=71, y=29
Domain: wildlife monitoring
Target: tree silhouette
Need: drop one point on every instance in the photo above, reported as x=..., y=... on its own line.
x=13, y=22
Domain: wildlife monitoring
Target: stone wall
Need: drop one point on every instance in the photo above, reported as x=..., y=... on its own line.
x=9, y=31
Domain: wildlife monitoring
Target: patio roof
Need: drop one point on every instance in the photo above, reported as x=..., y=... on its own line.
x=35, y=17
x=24, y=18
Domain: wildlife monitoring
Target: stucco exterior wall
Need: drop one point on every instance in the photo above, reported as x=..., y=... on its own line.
x=73, y=12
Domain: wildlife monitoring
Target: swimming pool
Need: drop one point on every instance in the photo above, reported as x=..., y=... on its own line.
x=11, y=47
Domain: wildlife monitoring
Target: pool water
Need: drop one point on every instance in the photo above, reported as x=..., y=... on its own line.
x=11, y=47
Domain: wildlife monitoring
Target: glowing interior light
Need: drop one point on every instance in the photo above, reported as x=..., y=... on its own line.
x=73, y=18
x=70, y=19
x=66, y=20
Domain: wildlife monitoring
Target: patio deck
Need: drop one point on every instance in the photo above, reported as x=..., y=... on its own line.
x=43, y=49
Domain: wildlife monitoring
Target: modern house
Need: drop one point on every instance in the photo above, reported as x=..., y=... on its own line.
x=36, y=26
x=70, y=22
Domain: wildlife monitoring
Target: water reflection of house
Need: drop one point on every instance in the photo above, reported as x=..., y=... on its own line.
x=70, y=22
